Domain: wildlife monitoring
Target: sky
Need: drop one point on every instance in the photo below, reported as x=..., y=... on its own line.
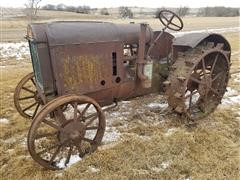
x=139, y=3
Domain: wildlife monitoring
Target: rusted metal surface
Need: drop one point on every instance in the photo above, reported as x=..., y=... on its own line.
x=192, y=40
x=93, y=32
x=78, y=65
x=198, y=80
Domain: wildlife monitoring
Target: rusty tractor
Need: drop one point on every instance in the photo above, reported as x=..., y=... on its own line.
x=82, y=68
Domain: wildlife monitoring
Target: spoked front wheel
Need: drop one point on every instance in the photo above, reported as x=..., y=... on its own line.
x=58, y=136
x=26, y=98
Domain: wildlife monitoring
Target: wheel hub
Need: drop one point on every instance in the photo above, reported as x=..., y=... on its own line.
x=72, y=131
x=38, y=98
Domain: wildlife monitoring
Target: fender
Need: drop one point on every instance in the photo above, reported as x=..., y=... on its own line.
x=187, y=41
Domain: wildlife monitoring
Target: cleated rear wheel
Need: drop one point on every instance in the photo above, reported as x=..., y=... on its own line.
x=198, y=82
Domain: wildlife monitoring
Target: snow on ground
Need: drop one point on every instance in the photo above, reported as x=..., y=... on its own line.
x=14, y=50
x=73, y=159
x=93, y=169
x=157, y=105
x=111, y=135
x=236, y=77
x=170, y=131
x=4, y=121
x=230, y=97
x=164, y=165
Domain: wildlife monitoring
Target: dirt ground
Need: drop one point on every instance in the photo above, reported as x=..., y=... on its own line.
x=142, y=140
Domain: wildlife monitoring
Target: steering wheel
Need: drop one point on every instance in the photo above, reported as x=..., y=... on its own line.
x=168, y=22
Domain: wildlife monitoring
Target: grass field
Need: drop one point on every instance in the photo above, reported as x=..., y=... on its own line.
x=14, y=29
x=152, y=144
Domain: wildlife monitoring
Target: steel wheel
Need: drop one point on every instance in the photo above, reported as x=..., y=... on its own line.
x=57, y=135
x=206, y=85
x=26, y=98
x=198, y=85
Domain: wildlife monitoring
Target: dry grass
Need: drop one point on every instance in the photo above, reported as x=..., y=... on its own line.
x=153, y=146
x=14, y=29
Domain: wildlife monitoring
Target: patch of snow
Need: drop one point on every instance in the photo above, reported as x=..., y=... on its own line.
x=4, y=121
x=170, y=131
x=24, y=142
x=93, y=169
x=10, y=151
x=231, y=100
x=218, y=30
x=73, y=159
x=125, y=102
x=157, y=105
x=230, y=92
x=164, y=165
x=145, y=138
x=230, y=97
x=111, y=135
x=236, y=77
x=14, y=50
x=10, y=140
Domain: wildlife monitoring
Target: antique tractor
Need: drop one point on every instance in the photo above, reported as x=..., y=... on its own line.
x=79, y=67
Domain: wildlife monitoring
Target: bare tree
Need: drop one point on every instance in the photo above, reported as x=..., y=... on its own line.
x=125, y=12
x=104, y=11
x=31, y=8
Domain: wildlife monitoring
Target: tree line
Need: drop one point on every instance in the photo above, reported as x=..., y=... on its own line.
x=125, y=12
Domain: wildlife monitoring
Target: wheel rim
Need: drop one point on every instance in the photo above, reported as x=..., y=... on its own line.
x=206, y=85
x=26, y=98
x=57, y=134
x=197, y=80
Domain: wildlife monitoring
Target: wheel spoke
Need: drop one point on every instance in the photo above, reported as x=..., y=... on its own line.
x=61, y=118
x=52, y=125
x=214, y=63
x=217, y=76
x=75, y=111
x=29, y=90
x=192, y=93
x=69, y=155
x=24, y=98
x=29, y=107
x=33, y=82
x=86, y=108
x=55, y=154
x=39, y=136
x=47, y=149
x=36, y=109
x=215, y=91
x=92, y=128
x=84, y=111
x=204, y=68
x=196, y=80
x=91, y=120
